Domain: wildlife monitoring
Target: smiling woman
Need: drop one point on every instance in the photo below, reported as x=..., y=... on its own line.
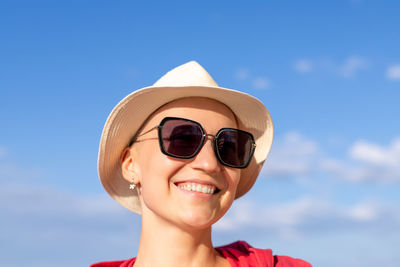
x=179, y=153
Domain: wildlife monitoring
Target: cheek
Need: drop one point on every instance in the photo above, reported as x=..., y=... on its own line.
x=234, y=178
x=156, y=171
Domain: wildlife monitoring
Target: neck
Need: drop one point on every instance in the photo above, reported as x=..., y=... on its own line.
x=164, y=244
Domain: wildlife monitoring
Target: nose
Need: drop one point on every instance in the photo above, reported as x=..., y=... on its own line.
x=206, y=159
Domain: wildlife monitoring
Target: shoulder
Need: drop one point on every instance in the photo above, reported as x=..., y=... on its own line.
x=123, y=263
x=240, y=253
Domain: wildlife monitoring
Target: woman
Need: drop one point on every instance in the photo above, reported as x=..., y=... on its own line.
x=179, y=153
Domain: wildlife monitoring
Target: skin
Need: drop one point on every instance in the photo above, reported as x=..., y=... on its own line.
x=176, y=224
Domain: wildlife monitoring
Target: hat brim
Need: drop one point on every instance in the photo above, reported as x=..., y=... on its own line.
x=130, y=113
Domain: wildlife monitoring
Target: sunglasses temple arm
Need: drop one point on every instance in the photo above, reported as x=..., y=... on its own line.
x=134, y=139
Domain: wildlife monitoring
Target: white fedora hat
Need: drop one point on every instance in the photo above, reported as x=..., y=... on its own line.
x=188, y=80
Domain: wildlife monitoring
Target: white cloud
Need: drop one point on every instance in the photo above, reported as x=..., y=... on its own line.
x=303, y=65
x=43, y=221
x=349, y=68
x=242, y=74
x=363, y=212
x=366, y=162
x=354, y=171
x=305, y=216
x=353, y=65
x=393, y=72
x=292, y=155
x=375, y=154
x=10, y=172
x=260, y=83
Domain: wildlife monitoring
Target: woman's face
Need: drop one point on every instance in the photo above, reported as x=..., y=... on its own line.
x=164, y=181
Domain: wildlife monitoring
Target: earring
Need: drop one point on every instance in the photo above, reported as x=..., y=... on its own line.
x=132, y=186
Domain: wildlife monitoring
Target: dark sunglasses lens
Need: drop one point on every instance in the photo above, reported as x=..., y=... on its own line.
x=235, y=147
x=181, y=138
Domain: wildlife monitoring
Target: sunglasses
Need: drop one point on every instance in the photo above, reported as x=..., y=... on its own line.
x=183, y=138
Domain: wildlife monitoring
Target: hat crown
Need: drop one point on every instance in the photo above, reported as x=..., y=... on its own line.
x=188, y=74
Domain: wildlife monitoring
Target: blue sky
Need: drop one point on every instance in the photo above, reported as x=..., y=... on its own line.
x=329, y=72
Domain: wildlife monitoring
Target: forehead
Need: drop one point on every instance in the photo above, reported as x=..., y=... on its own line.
x=206, y=111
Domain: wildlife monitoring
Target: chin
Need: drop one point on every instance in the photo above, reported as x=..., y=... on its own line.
x=199, y=220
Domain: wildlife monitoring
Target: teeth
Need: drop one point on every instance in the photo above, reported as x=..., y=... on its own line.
x=206, y=189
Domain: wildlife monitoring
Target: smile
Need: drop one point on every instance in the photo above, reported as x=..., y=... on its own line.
x=195, y=187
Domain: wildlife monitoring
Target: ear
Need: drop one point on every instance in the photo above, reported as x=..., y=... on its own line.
x=130, y=168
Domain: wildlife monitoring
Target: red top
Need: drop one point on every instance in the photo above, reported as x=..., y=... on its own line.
x=238, y=254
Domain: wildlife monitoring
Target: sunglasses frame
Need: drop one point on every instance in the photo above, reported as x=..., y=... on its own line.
x=203, y=138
